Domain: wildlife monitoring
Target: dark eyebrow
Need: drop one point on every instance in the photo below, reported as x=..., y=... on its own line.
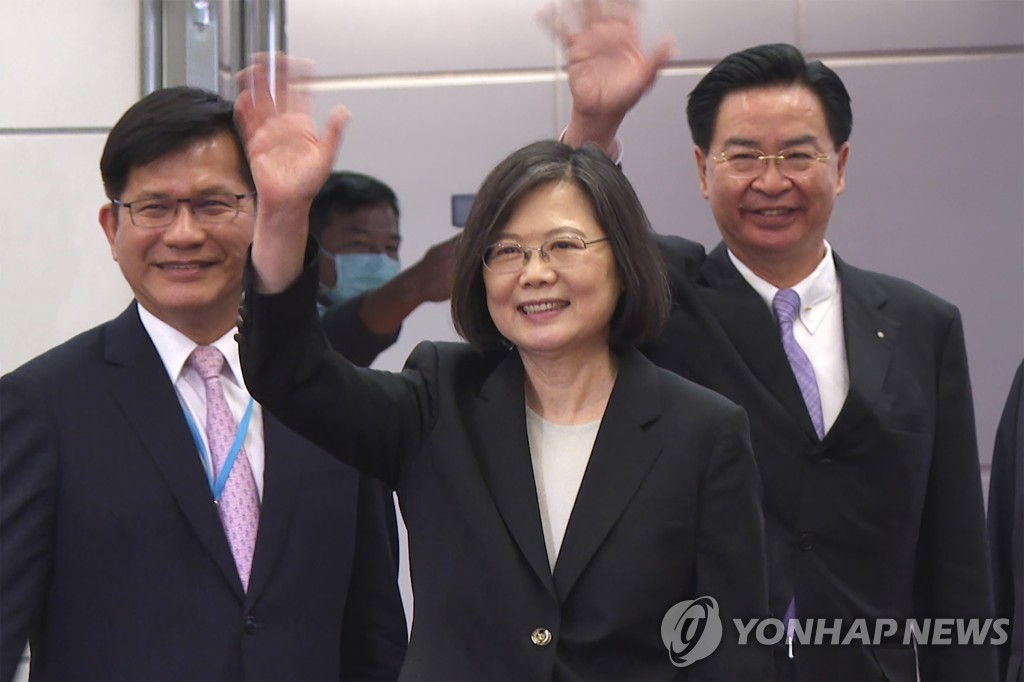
x=205, y=192
x=561, y=231
x=740, y=142
x=363, y=230
x=145, y=196
x=797, y=141
x=791, y=142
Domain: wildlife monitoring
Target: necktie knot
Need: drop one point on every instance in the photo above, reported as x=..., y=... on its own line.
x=786, y=305
x=208, y=361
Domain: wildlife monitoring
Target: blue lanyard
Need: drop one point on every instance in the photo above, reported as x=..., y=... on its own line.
x=217, y=487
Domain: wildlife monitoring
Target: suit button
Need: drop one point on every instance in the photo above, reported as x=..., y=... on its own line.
x=826, y=460
x=806, y=541
x=541, y=637
x=250, y=625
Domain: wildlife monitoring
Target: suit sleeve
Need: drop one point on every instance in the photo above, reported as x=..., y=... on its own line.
x=1005, y=515
x=683, y=261
x=350, y=337
x=731, y=557
x=368, y=419
x=953, y=579
x=28, y=472
x=373, y=630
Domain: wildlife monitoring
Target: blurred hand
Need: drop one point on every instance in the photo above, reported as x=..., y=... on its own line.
x=385, y=308
x=289, y=160
x=436, y=270
x=289, y=163
x=607, y=70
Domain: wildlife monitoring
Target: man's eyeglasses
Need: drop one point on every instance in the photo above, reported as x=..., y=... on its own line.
x=508, y=257
x=162, y=211
x=748, y=164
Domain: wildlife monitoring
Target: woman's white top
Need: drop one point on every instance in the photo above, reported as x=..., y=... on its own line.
x=559, y=454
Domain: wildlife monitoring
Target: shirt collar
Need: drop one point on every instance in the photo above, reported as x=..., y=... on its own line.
x=174, y=348
x=818, y=291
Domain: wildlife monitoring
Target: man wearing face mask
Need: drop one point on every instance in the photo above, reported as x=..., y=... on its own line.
x=364, y=294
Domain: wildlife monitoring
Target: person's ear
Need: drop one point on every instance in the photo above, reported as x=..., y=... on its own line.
x=702, y=170
x=108, y=221
x=841, y=159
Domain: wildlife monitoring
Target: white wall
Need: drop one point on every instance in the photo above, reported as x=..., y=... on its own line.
x=68, y=70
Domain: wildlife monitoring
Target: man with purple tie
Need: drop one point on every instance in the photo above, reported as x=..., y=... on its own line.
x=856, y=383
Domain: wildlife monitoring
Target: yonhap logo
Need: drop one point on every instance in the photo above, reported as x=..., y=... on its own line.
x=691, y=630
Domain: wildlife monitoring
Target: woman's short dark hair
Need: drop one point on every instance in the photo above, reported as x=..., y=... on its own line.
x=767, y=66
x=644, y=301
x=162, y=123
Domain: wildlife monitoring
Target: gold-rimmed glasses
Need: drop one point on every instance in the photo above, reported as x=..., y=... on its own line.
x=746, y=164
x=507, y=257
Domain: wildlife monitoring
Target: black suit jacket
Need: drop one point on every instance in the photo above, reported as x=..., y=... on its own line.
x=349, y=335
x=114, y=563
x=884, y=517
x=1006, y=527
x=668, y=509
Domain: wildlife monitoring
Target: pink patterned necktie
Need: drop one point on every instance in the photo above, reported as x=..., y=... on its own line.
x=239, y=505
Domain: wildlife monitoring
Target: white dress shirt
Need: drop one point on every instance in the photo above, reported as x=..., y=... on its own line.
x=174, y=349
x=820, y=331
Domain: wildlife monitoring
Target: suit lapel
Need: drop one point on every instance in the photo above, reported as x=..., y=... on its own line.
x=869, y=336
x=750, y=327
x=282, y=474
x=504, y=456
x=146, y=396
x=622, y=456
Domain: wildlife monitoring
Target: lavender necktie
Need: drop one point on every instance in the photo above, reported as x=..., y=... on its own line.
x=239, y=505
x=787, y=307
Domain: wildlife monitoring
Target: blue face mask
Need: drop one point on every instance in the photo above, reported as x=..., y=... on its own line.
x=357, y=273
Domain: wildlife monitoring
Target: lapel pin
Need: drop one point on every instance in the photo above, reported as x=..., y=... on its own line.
x=881, y=334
